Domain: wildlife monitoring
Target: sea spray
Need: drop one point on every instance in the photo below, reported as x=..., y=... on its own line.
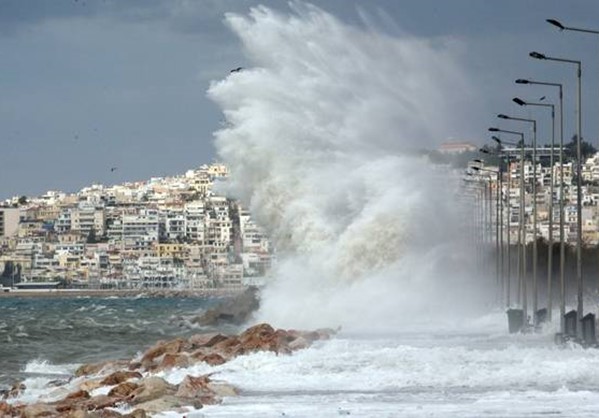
x=321, y=136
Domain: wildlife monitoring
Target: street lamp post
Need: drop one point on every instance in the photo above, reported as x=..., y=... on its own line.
x=562, y=27
x=506, y=275
x=550, y=237
x=562, y=238
x=579, y=277
x=522, y=228
x=503, y=277
x=498, y=265
x=535, y=258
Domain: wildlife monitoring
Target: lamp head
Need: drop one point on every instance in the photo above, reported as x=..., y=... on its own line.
x=555, y=23
x=537, y=55
x=522, y=81
x=483, y=151
x=475, y=168
x=496, y=139
x=493, y=130
x=502, y=116
x=519, y=101
x=477, y=160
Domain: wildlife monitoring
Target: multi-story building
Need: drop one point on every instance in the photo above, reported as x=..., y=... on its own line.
x=88, y=219
x=9, y=222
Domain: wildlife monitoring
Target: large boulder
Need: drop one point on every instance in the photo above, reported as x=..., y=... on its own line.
x=151, y=388
x=161, y=348
x=38, y=410
x=197, y=388
x=7, y=410
x=104, y=366
x=123, y=390
x=120, y=377
x=169, y=403
x=236, y=310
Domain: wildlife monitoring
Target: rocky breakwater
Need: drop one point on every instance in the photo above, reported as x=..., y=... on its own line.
x=131, y=388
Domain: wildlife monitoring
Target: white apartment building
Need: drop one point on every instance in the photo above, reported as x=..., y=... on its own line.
x=86, y=218
x=194, y=213
x=136, y=232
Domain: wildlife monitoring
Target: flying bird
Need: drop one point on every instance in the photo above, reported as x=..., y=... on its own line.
x=113, y=169
x=542, y=98
x=236, y=70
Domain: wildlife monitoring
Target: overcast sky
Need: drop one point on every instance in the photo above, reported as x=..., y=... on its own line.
x=88, y=85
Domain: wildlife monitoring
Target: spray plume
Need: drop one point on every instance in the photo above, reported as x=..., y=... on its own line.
x=320, y=138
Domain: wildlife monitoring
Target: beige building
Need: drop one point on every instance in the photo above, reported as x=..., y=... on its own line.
x=9, y=222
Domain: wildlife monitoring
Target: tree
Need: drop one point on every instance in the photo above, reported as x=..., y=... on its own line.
x=91, y=237
x=586, y=149
x=22, y=200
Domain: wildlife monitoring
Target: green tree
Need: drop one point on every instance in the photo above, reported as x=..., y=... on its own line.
x=91, y=237
x=586, y=149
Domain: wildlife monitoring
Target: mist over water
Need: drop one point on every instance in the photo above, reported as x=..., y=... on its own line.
x=321, y=136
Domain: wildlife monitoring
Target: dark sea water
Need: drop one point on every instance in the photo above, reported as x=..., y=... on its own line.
x=86, y=329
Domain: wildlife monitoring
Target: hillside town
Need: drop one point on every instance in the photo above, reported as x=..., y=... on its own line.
x=172, y=232
x=178, y=233
x=485, y=174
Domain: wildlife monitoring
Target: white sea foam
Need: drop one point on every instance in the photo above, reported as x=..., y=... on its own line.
x=320, y=137
x=423, y=375
x=38, y=373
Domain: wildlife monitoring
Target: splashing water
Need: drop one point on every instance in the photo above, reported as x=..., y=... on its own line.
x=321, y=139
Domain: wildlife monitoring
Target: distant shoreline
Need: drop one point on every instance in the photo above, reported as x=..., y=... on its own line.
x=154, y=293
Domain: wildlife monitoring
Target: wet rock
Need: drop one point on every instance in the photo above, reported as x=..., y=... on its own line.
x=89, y=385
x=151, y=388
x=58, y=382
x=206, y=340
x=222, y=389
x=95, y=368
x=75, y=396
x=119, y=377
x=105, y=413
x=7, y=410
x=39, y=410
x=213, y=359
x=153, y=394
x=138, y=413
x=299, y=344
x=123, y=390
x=101, y=402
x=79, y=413
x=16, y=390
x=134, y=365
x=161, y=348
x=263, y=337
x=192, y=387
x=236, y=310
x=228, y=347
x=168, y=403
x=170, y=361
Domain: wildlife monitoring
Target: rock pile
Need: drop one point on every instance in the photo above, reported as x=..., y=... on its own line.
x=97, y=390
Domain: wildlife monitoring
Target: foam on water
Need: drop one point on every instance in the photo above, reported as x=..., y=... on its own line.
x=418, y=374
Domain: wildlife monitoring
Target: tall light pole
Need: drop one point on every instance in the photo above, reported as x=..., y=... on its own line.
x=505, y=276
x=562, y=27
x=497, y=173
x=521, y=102
x=522, y=266
x=562, y=239
x=488, y=207
x=535, y=255
x=579, y=277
